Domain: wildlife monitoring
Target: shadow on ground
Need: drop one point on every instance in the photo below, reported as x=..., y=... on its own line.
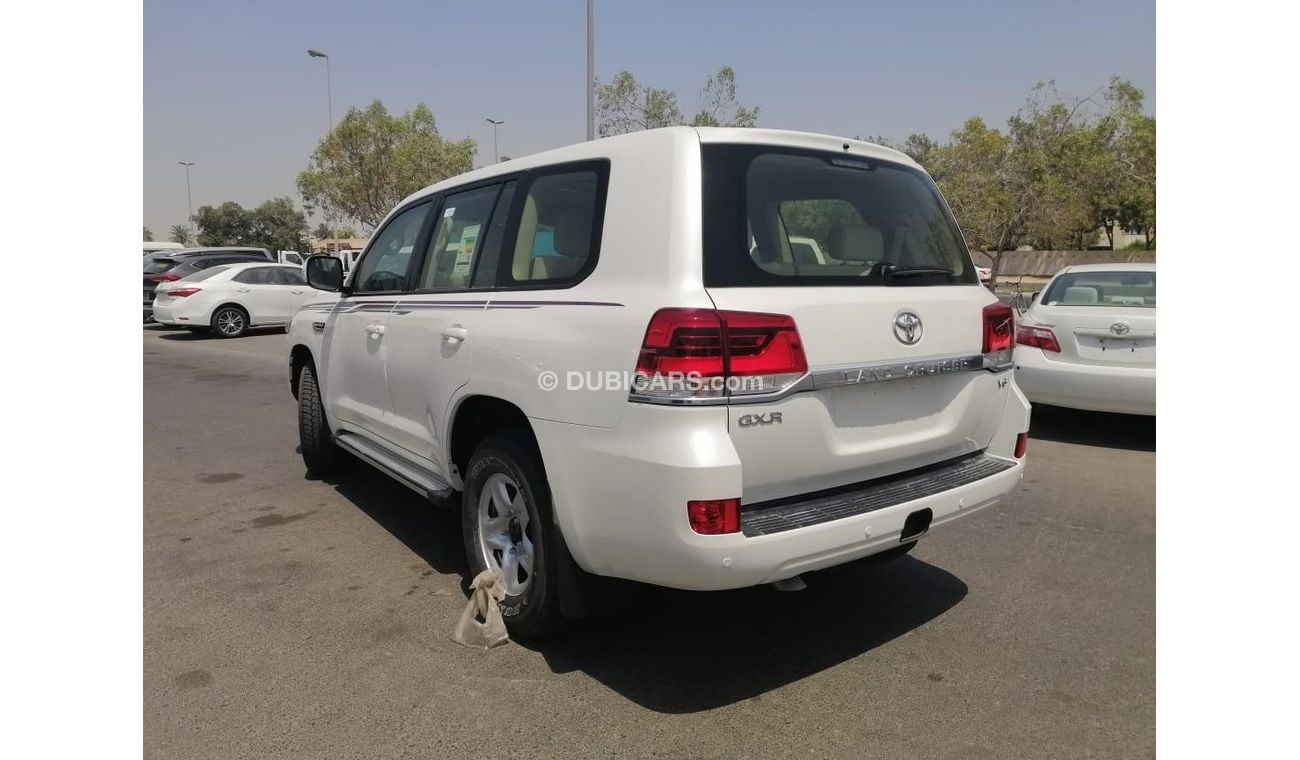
x=683, y=652
x=430, y=531
x=1115, y=431
x=183, y=335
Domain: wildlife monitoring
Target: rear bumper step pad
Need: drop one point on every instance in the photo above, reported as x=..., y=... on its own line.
x=768, y=517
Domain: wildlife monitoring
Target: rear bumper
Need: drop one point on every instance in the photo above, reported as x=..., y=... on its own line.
x=620, y=500
x=1091, y=387
x=178, y=314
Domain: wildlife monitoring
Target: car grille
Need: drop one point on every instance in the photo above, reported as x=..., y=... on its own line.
x=765, y=518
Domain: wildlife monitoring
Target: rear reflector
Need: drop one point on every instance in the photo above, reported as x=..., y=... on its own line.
x=1037, y=337
x=1022, y=441
x=181, y=292
x=999, y=335
x=165, y=277
x=715, y=516
x=693, y=354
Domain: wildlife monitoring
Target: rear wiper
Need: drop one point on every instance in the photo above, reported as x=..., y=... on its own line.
x=890, y=271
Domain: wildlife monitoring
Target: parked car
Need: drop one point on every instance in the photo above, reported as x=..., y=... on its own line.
x=1088, y=340
x=780, y=416
x=171, y=267
x=229, y=300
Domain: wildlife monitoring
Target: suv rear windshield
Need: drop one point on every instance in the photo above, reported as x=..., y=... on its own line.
x=787, y=217
x=1103, y=289
x=158, y=266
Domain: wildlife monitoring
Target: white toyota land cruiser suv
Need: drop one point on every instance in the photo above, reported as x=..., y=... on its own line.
x=610, y=360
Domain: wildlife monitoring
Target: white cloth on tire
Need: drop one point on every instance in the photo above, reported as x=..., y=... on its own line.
x=487, y=588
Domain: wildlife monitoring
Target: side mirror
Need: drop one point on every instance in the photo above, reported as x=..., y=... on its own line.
x=325, y=273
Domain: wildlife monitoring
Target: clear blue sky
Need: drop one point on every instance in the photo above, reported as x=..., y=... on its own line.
x=229, y=84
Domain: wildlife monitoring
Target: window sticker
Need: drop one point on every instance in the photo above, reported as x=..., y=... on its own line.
x=451, y=211
x=465, y=256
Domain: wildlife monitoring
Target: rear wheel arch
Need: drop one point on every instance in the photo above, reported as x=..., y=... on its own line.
x=478, y=416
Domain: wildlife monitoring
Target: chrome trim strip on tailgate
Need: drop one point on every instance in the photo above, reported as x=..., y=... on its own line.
x=766, y=518
x=857, y=374
x=900, y=370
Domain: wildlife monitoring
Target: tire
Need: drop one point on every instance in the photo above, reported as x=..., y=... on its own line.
x=510, y=460
x=322, y=456
x=229, y=322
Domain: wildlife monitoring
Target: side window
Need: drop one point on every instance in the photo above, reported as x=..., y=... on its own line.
x=254, y=276
x=287, y=276
x=384, y=266
x=457, y=239
x=557, y=228
x=485, y=272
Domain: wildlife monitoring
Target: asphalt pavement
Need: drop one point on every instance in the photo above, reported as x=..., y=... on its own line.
x=291, y=617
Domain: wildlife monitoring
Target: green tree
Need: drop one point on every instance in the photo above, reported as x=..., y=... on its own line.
x=976, y=172
x=719, y=106
x=180, y=234
x=625, y=105
x=372, y=160
x=275, y=224
x=148, y=236
x=322, y=232
x=227, y=224
x=1134, y=142
x=919, y=147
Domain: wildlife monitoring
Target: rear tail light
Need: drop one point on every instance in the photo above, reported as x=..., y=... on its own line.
x=999, y=335
x=182, y=292
x=1022, y=441
x=165, y=277
x=1037, y=337
x=697, y=354
x=714, y=516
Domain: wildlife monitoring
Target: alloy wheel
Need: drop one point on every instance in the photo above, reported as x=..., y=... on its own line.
x=505, y=539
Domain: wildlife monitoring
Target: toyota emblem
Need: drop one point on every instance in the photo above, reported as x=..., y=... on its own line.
x=907, y=328
x=1120, y=328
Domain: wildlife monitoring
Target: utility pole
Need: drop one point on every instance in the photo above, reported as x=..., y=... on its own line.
x=329, y=86
x=591, y=69
x=189, y=199
x=496, y=153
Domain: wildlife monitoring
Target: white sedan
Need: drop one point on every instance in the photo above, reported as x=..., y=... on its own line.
x=228, y=300
x=1088, y=340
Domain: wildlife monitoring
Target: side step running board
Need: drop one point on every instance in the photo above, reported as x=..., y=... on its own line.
x=410, y=474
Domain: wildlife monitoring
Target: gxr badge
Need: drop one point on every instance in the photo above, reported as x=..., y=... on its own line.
x=750, y=420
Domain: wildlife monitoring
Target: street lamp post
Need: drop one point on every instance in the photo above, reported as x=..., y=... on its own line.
x=496, y=153
x=591, y=69
x=189, y=199
x=329, y=86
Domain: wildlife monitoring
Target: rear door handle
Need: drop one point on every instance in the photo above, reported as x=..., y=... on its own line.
x=455, y=333
x=376, y=330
